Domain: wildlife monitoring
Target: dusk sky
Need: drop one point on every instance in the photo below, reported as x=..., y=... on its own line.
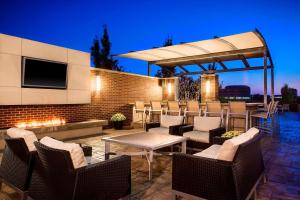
x=138, y=25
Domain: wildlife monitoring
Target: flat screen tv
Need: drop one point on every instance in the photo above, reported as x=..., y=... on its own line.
x=38, y=73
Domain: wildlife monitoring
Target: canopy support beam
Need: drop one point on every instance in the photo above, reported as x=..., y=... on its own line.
x=184, y=69
x=265, y=80
x=224, y=70
x=244, y=60
x=222, y=64
x=202, y=67
x=272, y=84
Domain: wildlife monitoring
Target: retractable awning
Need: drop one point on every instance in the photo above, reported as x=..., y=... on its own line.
x=234, y=47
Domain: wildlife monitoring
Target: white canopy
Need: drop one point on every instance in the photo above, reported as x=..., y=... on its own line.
x=238, y=43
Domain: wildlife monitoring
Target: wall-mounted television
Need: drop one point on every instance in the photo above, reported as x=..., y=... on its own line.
x=37, y=73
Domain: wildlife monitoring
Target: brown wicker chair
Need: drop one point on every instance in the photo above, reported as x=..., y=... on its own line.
x=16, y=165
x=54, y=177
x=172, y=130
x=197, y=144
x=206, y=178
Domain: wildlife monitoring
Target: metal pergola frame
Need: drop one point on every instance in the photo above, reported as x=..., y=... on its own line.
x=234, y=54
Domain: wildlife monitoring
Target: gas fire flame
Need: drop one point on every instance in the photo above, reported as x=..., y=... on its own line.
x=34, y=124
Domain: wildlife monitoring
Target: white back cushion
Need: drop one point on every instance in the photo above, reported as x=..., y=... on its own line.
x=75, y=150
x=228, y=149
x=169, y=120
x=252, y=132
x=28, y=136
x=206, y=123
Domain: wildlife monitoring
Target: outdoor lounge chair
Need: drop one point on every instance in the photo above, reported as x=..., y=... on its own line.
x=168, y=125
x=201, y=134
x=237, y=112
x=54, y=177
x=173, y=108
x=192, y=109
x=16, y=165
x=205, y=176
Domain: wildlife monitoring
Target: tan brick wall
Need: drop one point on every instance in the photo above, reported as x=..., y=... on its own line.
x=117, y=91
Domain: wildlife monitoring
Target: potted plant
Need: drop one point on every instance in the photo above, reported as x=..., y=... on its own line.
x=117, y=120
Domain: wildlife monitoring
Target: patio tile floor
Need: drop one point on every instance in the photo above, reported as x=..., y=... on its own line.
x=281, y=152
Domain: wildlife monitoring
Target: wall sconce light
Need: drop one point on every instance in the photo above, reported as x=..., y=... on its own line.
x=97, y=84
x=169, y=88
x=207, y=87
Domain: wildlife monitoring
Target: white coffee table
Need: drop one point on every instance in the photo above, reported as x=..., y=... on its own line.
x=148, y=142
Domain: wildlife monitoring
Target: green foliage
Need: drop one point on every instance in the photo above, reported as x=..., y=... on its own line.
x=230, y=134
x=189, y=88
x=212, y=67
x=289, y=95
x=101, y=55
x=118, y=117
x=166, y=71
x=96, y=52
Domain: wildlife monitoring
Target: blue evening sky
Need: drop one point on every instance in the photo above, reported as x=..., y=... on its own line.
x=138, y=25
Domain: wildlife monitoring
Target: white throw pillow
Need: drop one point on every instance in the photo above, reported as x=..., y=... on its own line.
x=228, y=149
x=206, y=123
x=252, y=132
x=28, y=136
x=75, y=150
x=169, y=120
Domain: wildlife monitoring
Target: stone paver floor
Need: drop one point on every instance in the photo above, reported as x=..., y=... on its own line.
x=281, y=152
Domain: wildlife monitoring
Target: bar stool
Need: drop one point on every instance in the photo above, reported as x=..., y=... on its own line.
x=237, y=110
x=155, y=110
x=192, y=109
x=265, y=116
x=173, y=108
x=214, y=109
x=139, y=108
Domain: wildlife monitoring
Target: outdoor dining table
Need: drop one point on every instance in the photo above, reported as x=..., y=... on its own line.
x=147, y=142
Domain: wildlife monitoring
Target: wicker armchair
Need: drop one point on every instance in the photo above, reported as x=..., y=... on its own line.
x=171, y=125
x=206, y=178
x=198, y=144
x=54, y=177
x=16, y=165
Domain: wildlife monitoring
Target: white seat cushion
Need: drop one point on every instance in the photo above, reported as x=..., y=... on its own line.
x=252, y=132
x=211, y=152
x=169, y=120
x=229, y=147
x=206, y=123
x=159, y=130
x=198, y=136
x=28, y=136
x=76, y=152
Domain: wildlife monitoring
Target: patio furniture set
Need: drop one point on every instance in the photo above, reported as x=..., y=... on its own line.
x=51, y=169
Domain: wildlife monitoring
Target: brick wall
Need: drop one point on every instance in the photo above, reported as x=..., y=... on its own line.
x=117, y=91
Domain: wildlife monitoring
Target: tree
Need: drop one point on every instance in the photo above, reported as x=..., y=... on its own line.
x=289, y=95
x=101, y=55
x=166, y=71
x=96, y=53
x=107, y=61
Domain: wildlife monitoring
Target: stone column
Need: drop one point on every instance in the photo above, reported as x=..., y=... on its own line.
x=209, y=87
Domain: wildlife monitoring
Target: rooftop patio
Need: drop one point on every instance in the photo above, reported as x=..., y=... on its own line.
x=209, y=144
x=281, y=151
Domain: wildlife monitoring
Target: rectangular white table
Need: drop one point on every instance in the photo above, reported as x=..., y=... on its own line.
x=148, y=142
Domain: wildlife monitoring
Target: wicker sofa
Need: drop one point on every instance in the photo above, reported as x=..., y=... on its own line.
x=204, y=177
x=202, y=133
x=168, y=125
x=16, y=165
x=54, y=177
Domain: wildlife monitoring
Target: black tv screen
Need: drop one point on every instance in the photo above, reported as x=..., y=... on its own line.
x=44, y=74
